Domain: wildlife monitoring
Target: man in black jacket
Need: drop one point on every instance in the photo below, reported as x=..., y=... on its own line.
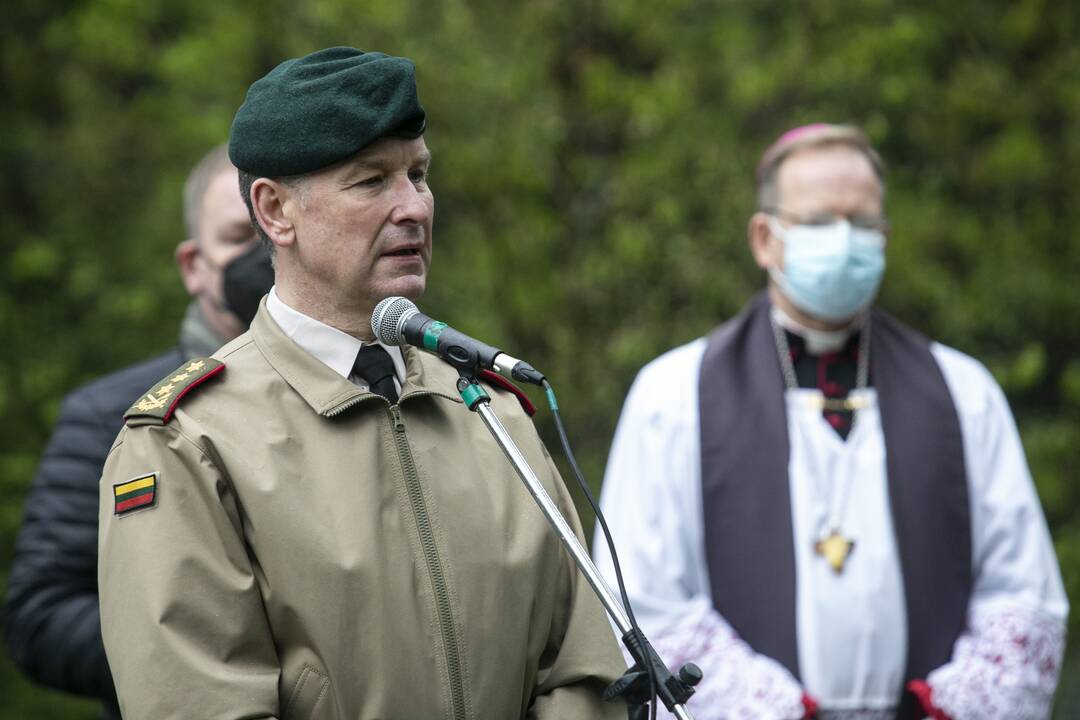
x=52, y=626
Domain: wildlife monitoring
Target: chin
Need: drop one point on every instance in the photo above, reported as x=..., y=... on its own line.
x=409, y=287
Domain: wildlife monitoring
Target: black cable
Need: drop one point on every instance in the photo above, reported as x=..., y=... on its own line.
x=554, y=405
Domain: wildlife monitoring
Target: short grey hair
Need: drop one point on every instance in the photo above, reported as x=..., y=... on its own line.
x=198, y=182
x=809, y=136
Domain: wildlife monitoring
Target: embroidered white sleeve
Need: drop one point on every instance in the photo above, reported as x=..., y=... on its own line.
x=739, y=684
x=1006, y=664
x=1004, y=667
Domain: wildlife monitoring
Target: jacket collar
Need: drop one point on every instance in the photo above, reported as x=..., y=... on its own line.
x=327, y=392
x=333, y=347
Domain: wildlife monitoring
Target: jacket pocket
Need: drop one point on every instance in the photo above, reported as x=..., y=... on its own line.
x=307, y=695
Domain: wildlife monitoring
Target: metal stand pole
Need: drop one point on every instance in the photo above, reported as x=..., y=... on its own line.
x=478, y=401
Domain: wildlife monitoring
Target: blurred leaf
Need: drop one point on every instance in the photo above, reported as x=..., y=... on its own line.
x=1070, y=383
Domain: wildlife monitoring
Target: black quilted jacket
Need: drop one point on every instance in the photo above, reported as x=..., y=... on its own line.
x=52, y=626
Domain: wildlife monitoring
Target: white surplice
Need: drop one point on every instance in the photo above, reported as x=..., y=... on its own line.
x=851, y=628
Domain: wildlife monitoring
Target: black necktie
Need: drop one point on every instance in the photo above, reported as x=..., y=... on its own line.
x=374, y=365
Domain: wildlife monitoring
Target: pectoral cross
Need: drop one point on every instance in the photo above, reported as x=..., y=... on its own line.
x=835, y=548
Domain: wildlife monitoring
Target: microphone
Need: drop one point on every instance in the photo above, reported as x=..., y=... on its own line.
x=397, y=321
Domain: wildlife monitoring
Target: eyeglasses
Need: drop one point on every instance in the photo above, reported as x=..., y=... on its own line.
x=863, y=222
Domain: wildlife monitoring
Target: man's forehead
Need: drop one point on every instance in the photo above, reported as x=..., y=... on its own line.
x=222, y=202
x=391, y=149
x=836, y=178
x=227, y=174
x=386, y=153
x=806, y=164
x=222, y=189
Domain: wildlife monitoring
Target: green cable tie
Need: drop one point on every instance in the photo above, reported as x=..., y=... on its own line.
x=473, y=394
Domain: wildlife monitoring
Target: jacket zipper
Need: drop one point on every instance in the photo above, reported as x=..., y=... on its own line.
x=431, y=554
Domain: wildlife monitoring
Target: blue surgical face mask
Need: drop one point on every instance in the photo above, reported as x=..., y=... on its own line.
x=830, y=271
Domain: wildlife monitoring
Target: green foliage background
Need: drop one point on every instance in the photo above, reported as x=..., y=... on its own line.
x=593, y=165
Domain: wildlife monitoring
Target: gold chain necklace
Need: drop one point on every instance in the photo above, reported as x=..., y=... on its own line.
x=832, y=544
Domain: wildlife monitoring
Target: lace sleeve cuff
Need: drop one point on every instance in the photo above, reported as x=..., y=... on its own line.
x=1004, y=667
x=738, y=682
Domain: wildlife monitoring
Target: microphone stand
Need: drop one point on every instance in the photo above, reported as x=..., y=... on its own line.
x=634, y=685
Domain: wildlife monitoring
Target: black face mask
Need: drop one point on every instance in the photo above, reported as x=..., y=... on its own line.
x=246, y=279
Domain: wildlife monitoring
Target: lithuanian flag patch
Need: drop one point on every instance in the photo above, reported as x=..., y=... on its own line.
x=141, y=492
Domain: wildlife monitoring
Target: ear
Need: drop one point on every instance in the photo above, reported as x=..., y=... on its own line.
x=270, y=200
x=764, y=246
x=185, y=255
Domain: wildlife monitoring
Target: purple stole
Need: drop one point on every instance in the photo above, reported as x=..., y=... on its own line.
x=747, y=499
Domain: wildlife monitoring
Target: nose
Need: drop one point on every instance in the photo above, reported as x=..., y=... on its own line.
x=413, y=203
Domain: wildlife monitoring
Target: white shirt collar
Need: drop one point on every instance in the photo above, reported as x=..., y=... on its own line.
x=334, y=348
x=818, y=342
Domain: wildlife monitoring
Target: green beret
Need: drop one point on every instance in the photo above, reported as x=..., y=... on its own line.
x=313, y=111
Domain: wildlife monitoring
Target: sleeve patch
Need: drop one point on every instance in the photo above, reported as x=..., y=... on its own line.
x=135, y=494
x=157, y=405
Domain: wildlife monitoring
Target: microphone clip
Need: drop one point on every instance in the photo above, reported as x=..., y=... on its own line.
x=470, y=390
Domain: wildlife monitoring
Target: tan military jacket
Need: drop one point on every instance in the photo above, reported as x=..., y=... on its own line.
x=312, y=552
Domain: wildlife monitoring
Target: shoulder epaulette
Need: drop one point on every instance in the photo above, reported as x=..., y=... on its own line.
x=500, y=382
x=156, y=406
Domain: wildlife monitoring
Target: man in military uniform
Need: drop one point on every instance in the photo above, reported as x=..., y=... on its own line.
x=51, y=623
x=308, y=524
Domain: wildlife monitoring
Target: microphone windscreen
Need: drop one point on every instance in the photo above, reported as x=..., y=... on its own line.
x=389, y=317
